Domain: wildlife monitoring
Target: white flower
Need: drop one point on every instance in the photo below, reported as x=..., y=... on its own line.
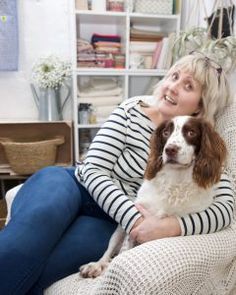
x=50, y=71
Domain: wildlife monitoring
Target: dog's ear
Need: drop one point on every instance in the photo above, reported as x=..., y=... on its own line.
x=154, y=163
x=211, y=157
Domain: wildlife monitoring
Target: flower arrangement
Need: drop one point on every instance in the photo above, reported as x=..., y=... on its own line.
x=51, y=72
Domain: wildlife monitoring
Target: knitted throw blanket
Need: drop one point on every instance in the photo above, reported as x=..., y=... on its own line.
x=203, y=264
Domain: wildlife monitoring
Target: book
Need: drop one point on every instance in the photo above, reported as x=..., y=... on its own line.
x=169, y=58
x=156, y=54
x=163, y=54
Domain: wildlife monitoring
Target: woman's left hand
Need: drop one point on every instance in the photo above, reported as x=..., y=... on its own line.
x=152, y=227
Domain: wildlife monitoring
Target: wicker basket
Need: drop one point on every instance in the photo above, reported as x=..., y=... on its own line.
x=28, y=157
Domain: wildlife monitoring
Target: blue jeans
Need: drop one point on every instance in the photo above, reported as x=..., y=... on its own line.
x=55, y=227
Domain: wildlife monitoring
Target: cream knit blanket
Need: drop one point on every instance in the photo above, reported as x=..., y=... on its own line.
x=203, y=264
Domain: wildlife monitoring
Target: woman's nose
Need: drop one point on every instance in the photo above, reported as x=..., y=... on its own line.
x=174, y=87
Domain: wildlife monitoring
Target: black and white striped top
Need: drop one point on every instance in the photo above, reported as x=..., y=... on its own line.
x=114, y=167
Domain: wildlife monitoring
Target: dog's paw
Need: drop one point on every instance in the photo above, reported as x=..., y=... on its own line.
x=93, y=269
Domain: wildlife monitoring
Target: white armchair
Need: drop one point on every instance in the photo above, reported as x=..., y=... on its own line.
x=203, y=264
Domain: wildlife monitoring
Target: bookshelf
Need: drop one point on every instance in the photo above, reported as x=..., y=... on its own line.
x=130, y=80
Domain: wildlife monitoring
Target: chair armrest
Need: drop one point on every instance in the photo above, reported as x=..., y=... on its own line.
x=10, y=196
x=203, y=264
x=184, y=265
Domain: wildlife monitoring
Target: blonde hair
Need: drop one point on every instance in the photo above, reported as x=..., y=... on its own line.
x=215, y=86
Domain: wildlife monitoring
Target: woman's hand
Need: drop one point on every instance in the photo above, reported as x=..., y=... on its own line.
x=151, y=227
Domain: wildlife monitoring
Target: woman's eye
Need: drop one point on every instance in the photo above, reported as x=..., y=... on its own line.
x=189, y=86
x=175, y=76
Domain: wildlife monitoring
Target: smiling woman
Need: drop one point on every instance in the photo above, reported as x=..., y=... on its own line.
x=190, y=80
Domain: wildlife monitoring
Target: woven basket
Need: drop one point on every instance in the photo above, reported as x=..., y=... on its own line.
x=28, y=157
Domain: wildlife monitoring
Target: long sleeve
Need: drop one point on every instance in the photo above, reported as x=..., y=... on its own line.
x=218, y=216
x=115, y=163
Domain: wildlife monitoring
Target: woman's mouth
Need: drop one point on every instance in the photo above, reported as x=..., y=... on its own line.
x=170, y=100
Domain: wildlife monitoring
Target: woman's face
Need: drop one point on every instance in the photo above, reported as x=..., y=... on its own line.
x=179, y=94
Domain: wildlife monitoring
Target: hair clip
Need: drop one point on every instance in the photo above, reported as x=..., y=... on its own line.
x=210, y=62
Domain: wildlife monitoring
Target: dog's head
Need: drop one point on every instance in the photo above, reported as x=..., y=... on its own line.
x=185, y=141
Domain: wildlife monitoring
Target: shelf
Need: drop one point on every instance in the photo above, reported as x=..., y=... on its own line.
x=135, y=15
x=146, y=72
x=132, y=81
x=124, y=14
x=89, y=126
x=119, y=72
x=102, y=13
x=100, y=71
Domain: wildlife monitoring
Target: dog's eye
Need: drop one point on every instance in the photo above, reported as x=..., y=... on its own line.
x=166, y=133
x=191, y=133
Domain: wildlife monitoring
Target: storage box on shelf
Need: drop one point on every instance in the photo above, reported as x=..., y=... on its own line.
x=135, y=59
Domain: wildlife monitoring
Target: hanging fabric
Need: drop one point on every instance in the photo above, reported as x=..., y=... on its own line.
x=221, y=21
x=8, y=35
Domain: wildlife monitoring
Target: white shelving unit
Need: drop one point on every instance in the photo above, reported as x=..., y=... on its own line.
x=133, y=82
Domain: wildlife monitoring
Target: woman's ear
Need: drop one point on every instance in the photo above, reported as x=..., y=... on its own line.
x=196, y=113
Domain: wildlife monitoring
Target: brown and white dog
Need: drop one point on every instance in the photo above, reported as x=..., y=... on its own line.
x=184, y=165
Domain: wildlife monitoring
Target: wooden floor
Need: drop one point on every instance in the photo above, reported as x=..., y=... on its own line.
x=3, y=212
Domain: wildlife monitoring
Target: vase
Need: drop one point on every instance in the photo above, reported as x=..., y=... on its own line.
x=49, y=102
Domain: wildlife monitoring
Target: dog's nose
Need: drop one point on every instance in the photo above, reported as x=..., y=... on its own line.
x=171, y=150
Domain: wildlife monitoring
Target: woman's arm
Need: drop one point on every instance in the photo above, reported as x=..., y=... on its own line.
x=218, y=216
x=102, y=156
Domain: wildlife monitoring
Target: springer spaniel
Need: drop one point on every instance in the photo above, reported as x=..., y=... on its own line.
x=184, y=165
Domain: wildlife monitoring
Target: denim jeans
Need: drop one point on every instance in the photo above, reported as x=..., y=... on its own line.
x=55, y=227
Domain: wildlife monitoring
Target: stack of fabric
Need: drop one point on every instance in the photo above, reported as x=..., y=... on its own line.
x=143, y=40
x=85, y=54
x=104, y=95
x=104, y=51
x=106, y=47
x=145, y=33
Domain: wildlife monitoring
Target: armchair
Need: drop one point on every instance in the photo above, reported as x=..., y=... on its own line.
x=200, y=264
x=203, y=264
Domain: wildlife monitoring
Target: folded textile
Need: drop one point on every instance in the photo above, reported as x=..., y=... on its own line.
x=101, y=101
x=107, y=49
x=86, y=56
x=90, y=92
x=145, y=28
x=110, y=38
x=146, y=32
x=142, y=46
x=147, y=38
x=85, y=48
x=87, y=64
x=100, y=83
x=107, y=44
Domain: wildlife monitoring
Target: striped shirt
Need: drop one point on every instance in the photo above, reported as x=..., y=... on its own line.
x=114, y=167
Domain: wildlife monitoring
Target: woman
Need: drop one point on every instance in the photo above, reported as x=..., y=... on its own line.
x=56, y=222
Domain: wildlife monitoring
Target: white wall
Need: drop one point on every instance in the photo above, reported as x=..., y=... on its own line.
x=44, y=28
